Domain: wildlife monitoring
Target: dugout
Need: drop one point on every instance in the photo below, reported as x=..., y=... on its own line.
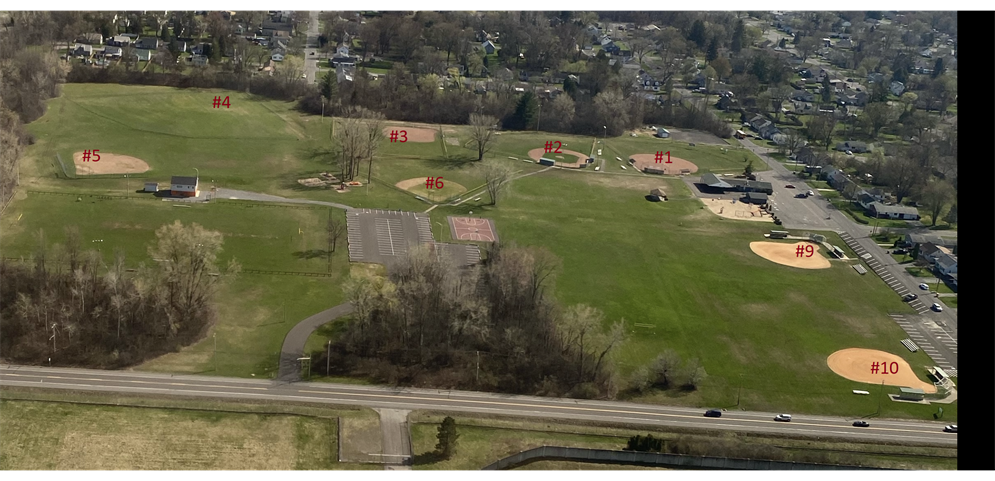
x=911, y=394
x=758, y=198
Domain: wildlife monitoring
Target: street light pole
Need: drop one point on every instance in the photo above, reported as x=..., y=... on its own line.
x=328, y=358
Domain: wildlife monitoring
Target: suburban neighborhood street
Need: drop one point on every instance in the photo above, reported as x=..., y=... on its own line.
x=129, y=382
x=311, y=49
x=934, y=332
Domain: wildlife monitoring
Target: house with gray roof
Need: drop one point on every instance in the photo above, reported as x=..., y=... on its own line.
x=902, y=212
x=946, y=264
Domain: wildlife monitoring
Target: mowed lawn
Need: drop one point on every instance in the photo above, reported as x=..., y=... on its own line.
x=685, y=279
x=255, y=311
x=48, y=436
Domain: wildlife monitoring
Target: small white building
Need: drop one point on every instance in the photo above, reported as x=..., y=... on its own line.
x=151, y=187
x=184, y=186
x=277, y=57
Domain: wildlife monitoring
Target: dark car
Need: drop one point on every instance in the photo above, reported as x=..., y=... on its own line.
x=713, y=413
x=861, y=424
x=910, y=297
x=801, y=196
x=789, y=186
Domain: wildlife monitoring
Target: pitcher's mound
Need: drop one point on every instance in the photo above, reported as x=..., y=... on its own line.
x=788, y=254
x=413, y=134
x=858, y=365
x=675, y=166
x=418, y=186
x=109, y=164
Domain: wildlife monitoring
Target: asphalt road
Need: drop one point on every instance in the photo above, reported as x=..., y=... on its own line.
x=293, y=344
x=124, y=382
x=311, y=50
x=935, y=332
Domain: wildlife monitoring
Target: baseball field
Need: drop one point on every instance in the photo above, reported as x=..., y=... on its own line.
x=682, y=277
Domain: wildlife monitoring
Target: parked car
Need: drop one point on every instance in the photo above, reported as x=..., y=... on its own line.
x=937, y=307
x=849, y=152
x=861, y=424
x=597, y=168
x=783, y=417
x=950, y=429
x=789, y=186
x=713, y=413
x=923, y=286
x=899, y=251
x=810, y=193
x=910, y=297
x=623, y=167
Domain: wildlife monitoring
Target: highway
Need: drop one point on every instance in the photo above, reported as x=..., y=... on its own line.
x=125, y=382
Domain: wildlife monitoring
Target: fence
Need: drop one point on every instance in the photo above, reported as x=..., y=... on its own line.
x=65, y=173
x=287, y=273
x=679, y=461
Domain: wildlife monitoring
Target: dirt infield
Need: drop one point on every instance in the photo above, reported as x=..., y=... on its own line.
x=109, y=164
x=414, y=134
x=560, y=157
x=787, y=254
x=856, y=364
x=738, y=211
x=472, y=228
x=673, y=168
x=417, y=186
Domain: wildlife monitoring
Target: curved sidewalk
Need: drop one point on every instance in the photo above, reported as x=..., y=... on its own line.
x=293, y=344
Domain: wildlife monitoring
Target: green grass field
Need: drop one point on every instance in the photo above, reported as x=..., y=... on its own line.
x=61, y=436
x=681, y=277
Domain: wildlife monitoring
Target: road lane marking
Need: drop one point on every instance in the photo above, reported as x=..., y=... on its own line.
x=134, y=381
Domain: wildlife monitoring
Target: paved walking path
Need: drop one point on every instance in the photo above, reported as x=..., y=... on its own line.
x=293, y=344
x=396, y=439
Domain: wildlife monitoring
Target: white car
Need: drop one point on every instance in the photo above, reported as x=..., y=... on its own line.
x=849, y=152
x=924, y=286
x=937, y=307
x=783, y=417
x=623, y=167
x=950, y=429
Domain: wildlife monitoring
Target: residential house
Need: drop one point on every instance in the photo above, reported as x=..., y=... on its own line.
x=725, y=103
x=883, y=211
x=608, y=45
x=277, y=55
x=180, y=46
x=345, y=73
x=922, y=67
x=896, y=88
x=148, y=43
x=853, y=146
x=342, y=56
x=865, y=199
x=912, y=240
x=91, y=38
x=926, y=52
x=803, y=96
x=488, y=47
x=845, y=43
x=764, y=127
x=946, y=264
x=836, y=178
x=114, y=52
x=799, y=107
x=851, y=97
x=273, y=28
x=82, y=50
x=198, y=60
x=143, y=54
x=198, y=49
x=120, y=40
x=875, y=77
x=816, y=74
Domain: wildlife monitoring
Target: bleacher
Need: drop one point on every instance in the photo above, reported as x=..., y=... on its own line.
x=910, y=345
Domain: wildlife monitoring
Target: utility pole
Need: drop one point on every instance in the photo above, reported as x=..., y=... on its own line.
x=879, y=398
x=477, y=380
x=215, y=336
x=328, y=357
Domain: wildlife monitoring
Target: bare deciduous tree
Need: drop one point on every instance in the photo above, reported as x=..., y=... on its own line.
x=497, y=176
x=482, y=128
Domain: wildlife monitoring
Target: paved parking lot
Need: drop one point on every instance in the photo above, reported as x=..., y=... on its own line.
x=380, y=236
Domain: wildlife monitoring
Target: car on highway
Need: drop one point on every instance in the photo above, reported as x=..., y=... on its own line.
x=801, y=195
x=783, y=417
x=713, y=413
x=789, y=186
x=923, y=286
x=910, y=297
x=937, y=307
x=312, y=53
x=861, y=424
x=950, y=429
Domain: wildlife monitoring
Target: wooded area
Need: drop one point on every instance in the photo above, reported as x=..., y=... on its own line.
x=493, y=327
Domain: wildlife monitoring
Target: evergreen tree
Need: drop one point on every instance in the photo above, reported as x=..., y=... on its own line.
x=938, y=68
x=330, y=86
x=570, y=88
x=447, y=437
x=748, y=171
x=697, y=34
x=737, y=37
x=827, y=90
x=525, y=112
x=164, y=34
x=713, y=50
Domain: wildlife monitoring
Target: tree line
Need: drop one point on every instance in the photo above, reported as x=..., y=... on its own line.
x=492, y=327
x=65, y=307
